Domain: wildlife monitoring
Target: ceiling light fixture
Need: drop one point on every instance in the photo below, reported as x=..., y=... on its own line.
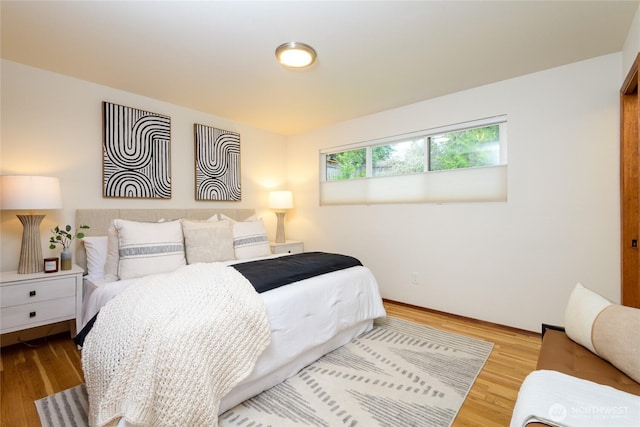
x=295, y=55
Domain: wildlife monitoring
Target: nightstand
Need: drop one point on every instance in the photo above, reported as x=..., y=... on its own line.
x=289, y=247
x=30, y=300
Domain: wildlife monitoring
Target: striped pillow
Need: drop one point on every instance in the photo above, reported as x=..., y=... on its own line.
x=250, y=239
x=149, y=247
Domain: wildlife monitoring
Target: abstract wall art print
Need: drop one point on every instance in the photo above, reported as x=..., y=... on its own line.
x=136, y=156
x=217, y=169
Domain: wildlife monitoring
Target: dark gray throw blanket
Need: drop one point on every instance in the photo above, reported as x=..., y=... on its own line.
x=267, y=274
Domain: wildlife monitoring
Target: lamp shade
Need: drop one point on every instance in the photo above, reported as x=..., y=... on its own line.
x=29, y=192
x=280, y=200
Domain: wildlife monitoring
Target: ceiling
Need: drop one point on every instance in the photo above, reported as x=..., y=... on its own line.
x=218, y=56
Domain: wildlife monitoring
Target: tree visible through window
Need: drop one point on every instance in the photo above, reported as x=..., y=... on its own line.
x=465, y=149
x=347, y=165
x=455, y=149
x=398, y=158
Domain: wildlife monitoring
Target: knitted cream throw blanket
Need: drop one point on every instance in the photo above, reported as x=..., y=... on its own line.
x=169, y=347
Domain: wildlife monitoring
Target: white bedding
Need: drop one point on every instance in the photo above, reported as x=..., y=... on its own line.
x=159, y=353
x=307, y=319
x=105, y=289
x=558, y=399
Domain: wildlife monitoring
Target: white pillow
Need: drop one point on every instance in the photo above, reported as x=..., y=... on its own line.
x=582, y=309
x=223, y=217
x=207, y=241
x=96, y=249
x=250, y=239
x=149, y=247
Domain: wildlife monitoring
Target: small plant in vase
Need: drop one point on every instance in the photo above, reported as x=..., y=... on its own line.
x=64, y=237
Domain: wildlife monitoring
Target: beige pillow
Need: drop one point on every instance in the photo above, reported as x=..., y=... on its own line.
x=113, y=258
x=149, y=247
x=610, y=331
x=616, y=338
x=207, y=241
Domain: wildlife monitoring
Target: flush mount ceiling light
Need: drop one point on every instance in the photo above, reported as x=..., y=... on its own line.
x=295, y=55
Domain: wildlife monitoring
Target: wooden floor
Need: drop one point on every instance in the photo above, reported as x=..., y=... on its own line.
x=515, y=354
x=30, y=373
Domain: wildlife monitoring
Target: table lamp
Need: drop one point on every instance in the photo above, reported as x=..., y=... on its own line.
x=280, y=201
x=29, y=193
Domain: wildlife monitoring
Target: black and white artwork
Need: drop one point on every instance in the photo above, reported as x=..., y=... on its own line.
x=217, y=167
x=136, y=153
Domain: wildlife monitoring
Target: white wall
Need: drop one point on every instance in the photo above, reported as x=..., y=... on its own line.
x=631, y=45
x=511, y=263
x=52, y=125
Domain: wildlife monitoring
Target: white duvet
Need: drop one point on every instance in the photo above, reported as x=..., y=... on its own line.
x=307, y=319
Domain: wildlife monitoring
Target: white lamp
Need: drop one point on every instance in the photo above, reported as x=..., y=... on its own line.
x=29, y=193
x=280, y=201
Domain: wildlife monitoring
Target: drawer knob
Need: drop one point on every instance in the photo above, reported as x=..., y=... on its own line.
x=32, y=314
x=32, y=293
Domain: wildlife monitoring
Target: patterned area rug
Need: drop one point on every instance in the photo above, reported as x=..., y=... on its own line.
x=399, y=374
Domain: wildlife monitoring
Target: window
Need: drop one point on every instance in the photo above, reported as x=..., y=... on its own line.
x=398, y=158
x=401, y=169
x=465, y=149
x=346, y=165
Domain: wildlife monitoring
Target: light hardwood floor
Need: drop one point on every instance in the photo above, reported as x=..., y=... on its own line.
x=28, y=374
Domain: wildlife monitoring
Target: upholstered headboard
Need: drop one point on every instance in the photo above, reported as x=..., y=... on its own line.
x=100, y=219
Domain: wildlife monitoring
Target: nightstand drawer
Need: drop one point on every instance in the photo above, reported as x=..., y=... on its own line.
x=36, y=291
x=290, y=247
x=37, y=313
x=29, y=300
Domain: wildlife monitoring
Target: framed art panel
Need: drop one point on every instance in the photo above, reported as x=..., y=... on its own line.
x=136, y=157
x=217, y=169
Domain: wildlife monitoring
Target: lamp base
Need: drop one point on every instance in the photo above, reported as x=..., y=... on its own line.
x=31, y=260
x=280, y=228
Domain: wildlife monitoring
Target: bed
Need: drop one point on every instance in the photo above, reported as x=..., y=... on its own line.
x=306, y=319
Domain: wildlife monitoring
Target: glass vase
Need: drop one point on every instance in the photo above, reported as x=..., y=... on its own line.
x=65, y=259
